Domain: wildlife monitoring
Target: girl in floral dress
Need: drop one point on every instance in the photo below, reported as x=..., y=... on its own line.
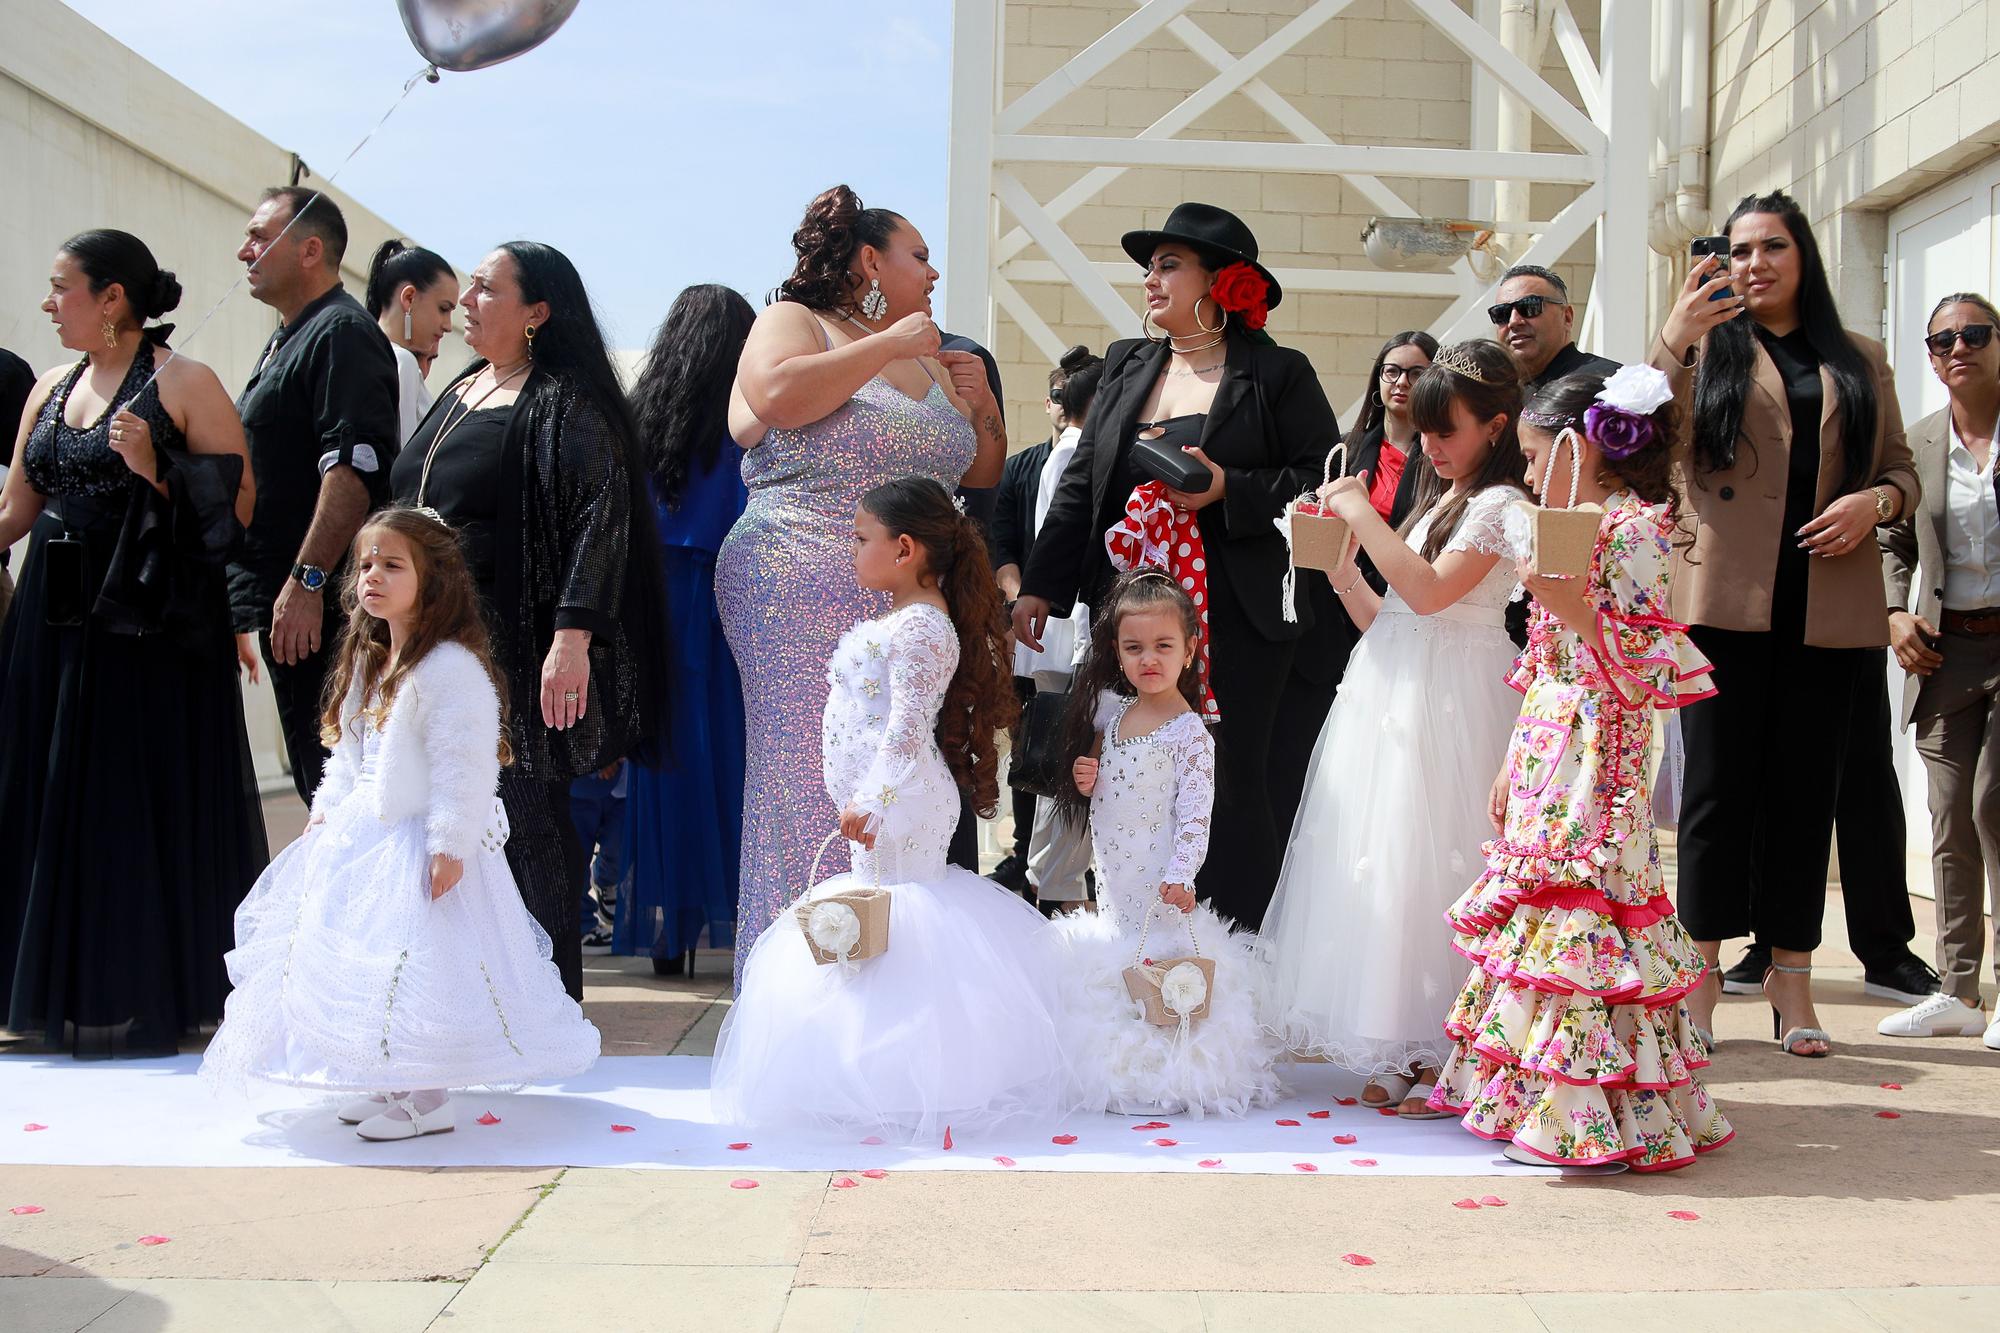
x=1572, y=1040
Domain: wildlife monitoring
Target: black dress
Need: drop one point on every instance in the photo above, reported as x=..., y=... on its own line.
x=134, y=823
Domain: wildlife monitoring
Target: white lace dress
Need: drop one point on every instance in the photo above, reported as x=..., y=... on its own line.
x=1389, y=832
x=953, y=1026
x=1149, y=822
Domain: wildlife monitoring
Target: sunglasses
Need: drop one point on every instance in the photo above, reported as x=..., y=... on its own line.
x=1529, y=306
x=1392, y=374
x=1976, y=336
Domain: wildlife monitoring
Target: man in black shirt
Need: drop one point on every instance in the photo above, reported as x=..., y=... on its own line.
x=1532, y=319
x=319, y=415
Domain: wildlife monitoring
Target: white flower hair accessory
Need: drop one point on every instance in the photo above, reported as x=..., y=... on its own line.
x=1639, y=389
x=958, y=501
x=1620, y=422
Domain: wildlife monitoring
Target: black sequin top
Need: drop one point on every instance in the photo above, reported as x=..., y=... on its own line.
x=62, y=459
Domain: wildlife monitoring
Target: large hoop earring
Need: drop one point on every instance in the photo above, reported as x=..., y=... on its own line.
x=1146, y=328
x=1197, y=315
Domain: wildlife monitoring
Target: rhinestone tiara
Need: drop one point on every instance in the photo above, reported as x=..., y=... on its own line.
x=1458, y=359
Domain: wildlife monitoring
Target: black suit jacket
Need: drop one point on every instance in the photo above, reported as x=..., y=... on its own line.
x=1268, y=429
x=1012, y=533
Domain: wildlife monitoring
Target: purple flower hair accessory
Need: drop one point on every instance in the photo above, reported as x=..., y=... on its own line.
x=1616, y=432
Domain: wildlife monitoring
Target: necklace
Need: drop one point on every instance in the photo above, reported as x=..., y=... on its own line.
x=1173, y=343
x=451, y=423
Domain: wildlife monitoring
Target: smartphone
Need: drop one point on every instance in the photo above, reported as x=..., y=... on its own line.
x=1718, y=246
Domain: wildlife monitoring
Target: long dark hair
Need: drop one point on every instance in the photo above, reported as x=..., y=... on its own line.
x=832, y=232
x=1496, y=391
x=980, y=702
x=1648, y=473
x=681, y=401
x=397, y=263
x=106, y=256
x=1722, y=380
x=569, y=344
x=1140, y=590
x=1073, y=383
x=1373, y=409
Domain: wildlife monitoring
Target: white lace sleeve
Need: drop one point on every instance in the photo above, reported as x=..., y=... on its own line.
x=923, y=654
x=1194, y=798
x=1484, y=527
x=1109, y=704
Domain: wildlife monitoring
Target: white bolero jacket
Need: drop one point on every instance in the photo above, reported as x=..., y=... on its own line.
x=439, y=757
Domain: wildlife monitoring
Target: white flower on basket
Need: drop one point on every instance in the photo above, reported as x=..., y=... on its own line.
x=834, y=928
x=1518, y=527
x=1184, y=989
x=1638, y=389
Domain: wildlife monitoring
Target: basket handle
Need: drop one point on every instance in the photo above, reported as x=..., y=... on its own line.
x=1339, y=451
x=812, y=876
x=1575, y=439
x=1146, y=927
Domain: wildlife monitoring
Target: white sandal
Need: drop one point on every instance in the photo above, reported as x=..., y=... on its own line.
x=1393, y=1087
x=1422, y=1091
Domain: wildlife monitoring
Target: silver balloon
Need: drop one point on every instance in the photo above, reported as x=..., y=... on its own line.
x=466, y=35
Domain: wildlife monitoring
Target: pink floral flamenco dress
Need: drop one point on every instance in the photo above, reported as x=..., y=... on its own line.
x=1571, y=1037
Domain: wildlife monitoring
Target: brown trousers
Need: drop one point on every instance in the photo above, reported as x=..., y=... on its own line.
x=1957, y=718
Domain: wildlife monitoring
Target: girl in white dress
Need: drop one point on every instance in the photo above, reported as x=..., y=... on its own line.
x=387, y=951
x=952, y=1027
x=1145, y=778
x=1394, y=815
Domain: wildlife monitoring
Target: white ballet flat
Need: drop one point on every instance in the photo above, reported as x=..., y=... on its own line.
x=363, y=1108
x=385, y=1127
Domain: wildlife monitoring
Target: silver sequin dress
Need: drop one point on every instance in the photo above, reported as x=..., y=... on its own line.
x=784, y=580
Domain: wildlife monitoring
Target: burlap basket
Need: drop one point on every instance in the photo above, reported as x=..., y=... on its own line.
x=1156, y=982
x=1565, y=539
x=848, y=927
x=1319, y=536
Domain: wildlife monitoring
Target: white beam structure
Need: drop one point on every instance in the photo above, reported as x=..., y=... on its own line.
x=996, y=220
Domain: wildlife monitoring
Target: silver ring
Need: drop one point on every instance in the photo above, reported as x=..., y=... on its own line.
x=570, y=695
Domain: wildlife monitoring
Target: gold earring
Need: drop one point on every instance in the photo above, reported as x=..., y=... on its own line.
x=110, y=334
x=1197, y=315
x=530, y=331
x=1146, y=328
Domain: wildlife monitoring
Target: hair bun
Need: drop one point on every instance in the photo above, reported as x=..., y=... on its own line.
x=166, y=294
x=1076, y=358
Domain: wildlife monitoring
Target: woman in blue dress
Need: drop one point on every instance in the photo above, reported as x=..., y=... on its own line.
x=684, y=812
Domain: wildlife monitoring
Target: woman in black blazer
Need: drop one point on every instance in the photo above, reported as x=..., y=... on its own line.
x=1255, y=415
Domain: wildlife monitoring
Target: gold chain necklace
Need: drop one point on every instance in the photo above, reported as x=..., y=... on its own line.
x=451, y=423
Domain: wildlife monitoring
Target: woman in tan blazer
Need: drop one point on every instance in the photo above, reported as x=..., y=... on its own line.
x=1782, y=589
x=1950, y=646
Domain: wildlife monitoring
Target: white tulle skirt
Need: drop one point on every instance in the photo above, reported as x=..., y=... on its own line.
x=1387, y=837
x=349, y=977
x=1223, y=1064
x=953, y=1026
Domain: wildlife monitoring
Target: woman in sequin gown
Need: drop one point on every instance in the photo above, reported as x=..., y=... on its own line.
x=855, y=393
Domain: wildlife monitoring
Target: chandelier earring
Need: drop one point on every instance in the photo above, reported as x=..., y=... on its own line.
x=110, y=331
x=874, y=305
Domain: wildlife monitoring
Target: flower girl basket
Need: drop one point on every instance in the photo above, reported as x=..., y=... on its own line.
x=849, y=927
x=1173, y=991
x=1563, y=540
x=1315, y=536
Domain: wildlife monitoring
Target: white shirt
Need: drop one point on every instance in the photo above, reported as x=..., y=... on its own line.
x=413, y=396
x=1064, y=641
x=1971, y=529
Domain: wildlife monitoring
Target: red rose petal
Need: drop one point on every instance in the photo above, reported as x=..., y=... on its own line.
x=623, y=1129
x=32, y=1127
x=847, y=1183
x=1888, y=1115
x=1166, y=1143
x=1004, y=1161
x=1304, y=1166
x=743, y=1184
x=1357, y=1260
x=1492, y=1201
x=1344, y=1139
x=738, y=1147
x=154, y=1240
x=1467, y=1204
x=1152, y=1124
x=1209, y=1161
x=1361, y=1161
x=1680, y=1215
x=875, y=1173
x=1346, y=1101
x=872, y=1140
x=1893, y=1087
x=947, y=1138
x=1318, y=1115
x=1293, y=1124
x=23, y=1210
x=488, y=1118
x=1064, y=1139
x=1385, y=1110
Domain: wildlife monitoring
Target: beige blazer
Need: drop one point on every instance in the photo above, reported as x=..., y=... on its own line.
x=1919, y=541
x=1726, y=580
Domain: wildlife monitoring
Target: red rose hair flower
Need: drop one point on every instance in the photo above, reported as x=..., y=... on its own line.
x=1243, y=292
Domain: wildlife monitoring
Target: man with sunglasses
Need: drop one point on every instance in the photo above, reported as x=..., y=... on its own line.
x=1532, y=318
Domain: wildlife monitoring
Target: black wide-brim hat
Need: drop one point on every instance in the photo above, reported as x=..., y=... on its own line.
x=1208, y=228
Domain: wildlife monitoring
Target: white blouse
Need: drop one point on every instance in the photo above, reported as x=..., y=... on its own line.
x=1971, y=529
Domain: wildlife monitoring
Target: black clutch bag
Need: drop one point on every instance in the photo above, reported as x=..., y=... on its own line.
x=1037, y=765
x=1171, y=464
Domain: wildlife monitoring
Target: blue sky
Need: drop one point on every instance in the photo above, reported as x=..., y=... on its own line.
x=656, y=142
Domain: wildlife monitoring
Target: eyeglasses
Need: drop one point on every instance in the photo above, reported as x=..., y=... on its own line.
x=1391, y=374
x=1529, y=306
x=1976, y=336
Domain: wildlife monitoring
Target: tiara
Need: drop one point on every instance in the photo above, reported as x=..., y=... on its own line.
x=1457, y=358
x=1547, y=420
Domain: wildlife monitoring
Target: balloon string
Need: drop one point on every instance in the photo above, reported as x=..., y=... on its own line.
x=429, y=74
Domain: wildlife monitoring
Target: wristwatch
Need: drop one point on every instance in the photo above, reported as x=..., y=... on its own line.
x=311, y=577
x=1884, y=506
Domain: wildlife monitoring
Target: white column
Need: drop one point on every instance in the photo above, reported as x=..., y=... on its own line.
x=1619, y=291
x=969, y=219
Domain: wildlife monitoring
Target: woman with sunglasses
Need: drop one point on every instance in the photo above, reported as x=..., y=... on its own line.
x=1950, y=646
x=1797, y=455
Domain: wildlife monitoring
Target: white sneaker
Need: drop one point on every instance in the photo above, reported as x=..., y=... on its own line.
x=363, y=1108
x=385, y=1127
x=1937, y=1016
x=1993, y=1036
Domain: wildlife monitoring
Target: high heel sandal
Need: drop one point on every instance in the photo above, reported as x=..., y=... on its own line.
x=1789, y=1042
x=1706, y=1035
